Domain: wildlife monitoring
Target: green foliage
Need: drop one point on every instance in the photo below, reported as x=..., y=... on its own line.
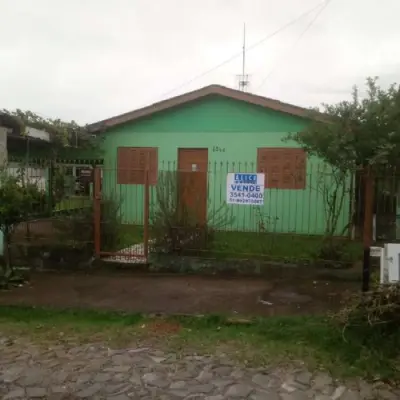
x=363, y=131
x=357, y=133
x=63, y=134
x=19, y=200
x=77, y=229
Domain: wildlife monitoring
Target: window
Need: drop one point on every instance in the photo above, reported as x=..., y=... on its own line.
x=131, y=164
x=284, y=168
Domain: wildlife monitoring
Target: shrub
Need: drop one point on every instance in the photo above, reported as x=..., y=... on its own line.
x=77, y=229
x=18, y=202
x=376, y=313
x=175, y=228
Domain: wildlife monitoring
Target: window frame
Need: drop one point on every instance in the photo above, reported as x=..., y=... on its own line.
x=297, y=156
x=129, y=168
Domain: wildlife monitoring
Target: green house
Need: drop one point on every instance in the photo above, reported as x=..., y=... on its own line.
x=204, y=135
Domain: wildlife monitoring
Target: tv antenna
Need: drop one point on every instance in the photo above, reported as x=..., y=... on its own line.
x=243, y=78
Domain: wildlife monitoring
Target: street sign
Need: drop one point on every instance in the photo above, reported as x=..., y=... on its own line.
x=243, y=188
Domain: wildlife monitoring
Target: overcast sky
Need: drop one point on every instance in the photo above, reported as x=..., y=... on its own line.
x=91, y=59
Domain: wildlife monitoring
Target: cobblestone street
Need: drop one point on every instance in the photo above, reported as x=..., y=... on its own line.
x=98, y=372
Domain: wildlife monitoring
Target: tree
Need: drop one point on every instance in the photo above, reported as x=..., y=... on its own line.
x=18, y=201
x=62, y=133
x=360, y=133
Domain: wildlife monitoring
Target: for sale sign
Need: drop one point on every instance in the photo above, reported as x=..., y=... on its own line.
x=247, y=189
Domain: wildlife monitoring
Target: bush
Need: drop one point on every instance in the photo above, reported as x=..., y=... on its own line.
x=372, y=314
x=174, y=227
x=77, y=229
x=19, y=201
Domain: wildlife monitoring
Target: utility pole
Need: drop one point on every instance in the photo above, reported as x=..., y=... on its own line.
x=243, y=78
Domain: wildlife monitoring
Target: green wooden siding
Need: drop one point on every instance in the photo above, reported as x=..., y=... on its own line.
x=239, y=129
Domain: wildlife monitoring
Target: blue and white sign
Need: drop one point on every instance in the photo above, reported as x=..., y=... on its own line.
x=245, y=189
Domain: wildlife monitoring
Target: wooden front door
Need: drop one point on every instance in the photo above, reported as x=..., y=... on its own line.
x=193, y=167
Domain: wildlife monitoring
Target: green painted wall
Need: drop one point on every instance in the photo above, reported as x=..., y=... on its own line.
x=239, y=129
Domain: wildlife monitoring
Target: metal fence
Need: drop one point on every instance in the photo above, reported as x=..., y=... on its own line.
x=59, y=221
x=187, y=212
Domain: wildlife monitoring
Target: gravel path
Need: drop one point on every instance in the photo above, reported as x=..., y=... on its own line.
x=97, y=372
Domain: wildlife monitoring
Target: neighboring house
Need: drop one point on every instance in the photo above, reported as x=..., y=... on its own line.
x=212, y=131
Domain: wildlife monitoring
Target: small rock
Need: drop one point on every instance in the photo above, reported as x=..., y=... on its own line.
x=261, y=380
x=135, y=379
x=288, y=387
x=237, y=374
x=297, y=395
x=90, y=391
x=83, y=378
x=223, y=371
x=221, y=384
x=102, y=377
x=118, y=369
x=139, y=350
x=366, y=390
x=154, y=379
x=265, y=396
x=58, y=389
x=217, y=397
x=36, y=393
x=206, y=388
x=158, y=360
x=4, y=341
x=303, y=378
x=14, y=394
x=321, y=381
x=120, y=397
x=205, y=376
x=386, y=395
x=178, y=385
x=350, y=395
x=337, y=394
x=239, y=390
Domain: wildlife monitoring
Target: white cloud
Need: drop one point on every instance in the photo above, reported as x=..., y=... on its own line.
x=90, y=59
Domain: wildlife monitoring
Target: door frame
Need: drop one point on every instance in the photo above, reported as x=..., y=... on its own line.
x=206, y=149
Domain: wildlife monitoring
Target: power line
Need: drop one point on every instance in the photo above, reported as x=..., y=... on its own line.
x=295, y=43
x=249, y=48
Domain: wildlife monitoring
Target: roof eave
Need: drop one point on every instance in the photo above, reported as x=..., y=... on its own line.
x=101, y=126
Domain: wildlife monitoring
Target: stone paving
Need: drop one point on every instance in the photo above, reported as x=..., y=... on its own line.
x=97, y=372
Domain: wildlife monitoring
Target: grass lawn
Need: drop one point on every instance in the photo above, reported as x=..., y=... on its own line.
x=314, y=340
x=130, y=234
x=74, y=202
x=278, y=245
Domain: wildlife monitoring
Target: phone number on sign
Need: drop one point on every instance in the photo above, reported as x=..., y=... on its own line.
x=246, y=195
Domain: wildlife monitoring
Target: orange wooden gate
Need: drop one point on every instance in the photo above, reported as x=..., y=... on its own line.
x=136, y=253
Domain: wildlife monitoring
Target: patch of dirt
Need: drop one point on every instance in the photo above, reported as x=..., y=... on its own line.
x=173, y=294
x=162, y=328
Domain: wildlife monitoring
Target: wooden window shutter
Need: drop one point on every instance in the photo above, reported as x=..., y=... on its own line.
x=131, y=164
x=123, y=165
x=284, y=168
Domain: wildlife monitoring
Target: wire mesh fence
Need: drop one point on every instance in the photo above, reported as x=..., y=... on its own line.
x=186, y=211
x=189, y=213
x=59, y=217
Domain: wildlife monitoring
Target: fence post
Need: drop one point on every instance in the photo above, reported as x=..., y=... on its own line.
x=146, y=210
x=367, y=226
x=97, y=210
x=50, y=187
